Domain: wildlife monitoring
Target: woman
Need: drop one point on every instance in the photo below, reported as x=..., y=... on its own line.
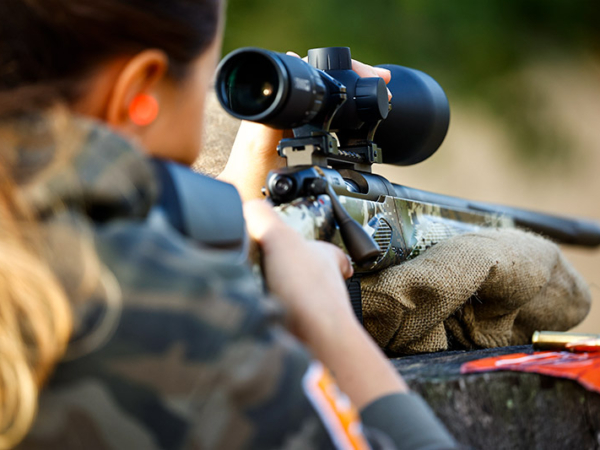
x=163, y=344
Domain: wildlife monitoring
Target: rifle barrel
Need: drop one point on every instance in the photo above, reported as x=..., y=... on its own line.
x=563, y=230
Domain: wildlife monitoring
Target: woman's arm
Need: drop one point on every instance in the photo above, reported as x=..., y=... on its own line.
x=309, y=279
x=253, y=156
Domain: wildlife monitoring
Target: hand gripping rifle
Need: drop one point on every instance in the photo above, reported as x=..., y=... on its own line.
x=342, y=124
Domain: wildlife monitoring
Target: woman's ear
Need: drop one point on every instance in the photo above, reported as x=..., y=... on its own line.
x=139, y=77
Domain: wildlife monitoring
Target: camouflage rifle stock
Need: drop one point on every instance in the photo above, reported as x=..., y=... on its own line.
x=404, y=222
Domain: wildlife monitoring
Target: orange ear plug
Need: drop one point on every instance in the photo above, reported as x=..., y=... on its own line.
x=143, y=110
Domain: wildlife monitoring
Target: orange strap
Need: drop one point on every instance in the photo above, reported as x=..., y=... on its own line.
x=335, y=409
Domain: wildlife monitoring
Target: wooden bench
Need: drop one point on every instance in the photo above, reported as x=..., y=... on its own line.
x=504, y=410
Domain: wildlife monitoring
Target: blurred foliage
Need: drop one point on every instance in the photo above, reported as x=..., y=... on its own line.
x=470, y=46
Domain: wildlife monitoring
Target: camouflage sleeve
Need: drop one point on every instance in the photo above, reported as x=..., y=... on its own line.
x=195, y=360
x=408, y=422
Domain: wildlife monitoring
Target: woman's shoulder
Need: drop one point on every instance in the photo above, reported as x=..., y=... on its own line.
x=156, y=267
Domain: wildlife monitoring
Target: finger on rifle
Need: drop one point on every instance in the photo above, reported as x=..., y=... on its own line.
x=297, y=56
x=345, y=264
x=367, y=71
x=261, y=219
x=383, y=73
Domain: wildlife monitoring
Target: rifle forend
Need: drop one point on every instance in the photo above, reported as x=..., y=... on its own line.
x=403, y=221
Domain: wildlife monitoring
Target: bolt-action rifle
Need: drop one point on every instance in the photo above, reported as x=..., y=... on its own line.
x=342, y=124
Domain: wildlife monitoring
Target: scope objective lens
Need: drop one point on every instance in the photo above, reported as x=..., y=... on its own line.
x=251, y=85
x=278, y=90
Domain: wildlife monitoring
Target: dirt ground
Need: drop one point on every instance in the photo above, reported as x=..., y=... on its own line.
x=475, y=161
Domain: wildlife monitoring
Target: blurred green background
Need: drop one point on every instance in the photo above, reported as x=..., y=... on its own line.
x=469, y=46
x=522, y=77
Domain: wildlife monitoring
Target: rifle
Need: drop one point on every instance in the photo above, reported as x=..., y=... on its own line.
x=342, y=124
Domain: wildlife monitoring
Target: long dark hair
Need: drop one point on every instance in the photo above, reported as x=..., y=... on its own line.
x=48, y=46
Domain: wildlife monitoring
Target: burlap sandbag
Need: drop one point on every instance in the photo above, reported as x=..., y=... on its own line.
x=488, y=289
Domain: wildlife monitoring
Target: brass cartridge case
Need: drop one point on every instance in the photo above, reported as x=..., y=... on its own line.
x=554, y=340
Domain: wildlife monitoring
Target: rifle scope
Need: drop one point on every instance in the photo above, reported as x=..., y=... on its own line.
x=285, y=92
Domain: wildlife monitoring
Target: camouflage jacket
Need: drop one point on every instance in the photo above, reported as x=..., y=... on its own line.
x=174, y=345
